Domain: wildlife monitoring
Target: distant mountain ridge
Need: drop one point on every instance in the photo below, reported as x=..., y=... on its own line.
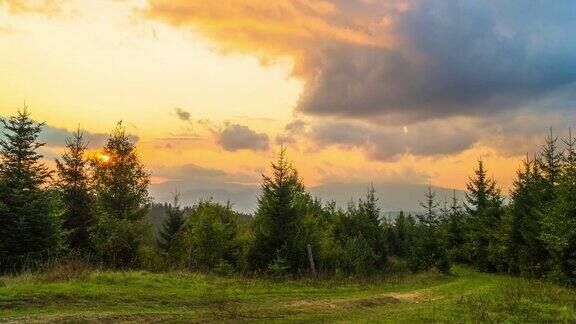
x=393, y=196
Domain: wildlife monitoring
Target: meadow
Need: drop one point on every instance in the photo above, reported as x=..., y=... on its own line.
x=462, y=296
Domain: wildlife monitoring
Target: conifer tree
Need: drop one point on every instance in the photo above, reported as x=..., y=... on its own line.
x=428, y=250
x=121, y=187
x=277, y=221
x=371, y=228
x=559, y=223
x=485, y=210
x=403, y=235
x=173, y=221
x=525, y=250
x=29, y=226
x=429, y=217
x=454, y=226
x=550, y=162
x=73, y=185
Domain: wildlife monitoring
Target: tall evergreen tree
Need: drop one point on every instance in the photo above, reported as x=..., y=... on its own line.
x=559, y=222
x=454, y=228
x=74, y=187
x=428, y=250
x=525, y=250
x=121, y=187
x=485, y=208
x=173, y=221
x=371, y=228
x=430, y=216
x=29, y=226
x=277, y=221
x=402, y=235
x=550, y=162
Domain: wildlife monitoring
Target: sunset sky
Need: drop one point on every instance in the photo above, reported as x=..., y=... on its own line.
x=395, y=92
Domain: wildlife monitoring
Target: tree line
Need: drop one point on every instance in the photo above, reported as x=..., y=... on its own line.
x=98, y=205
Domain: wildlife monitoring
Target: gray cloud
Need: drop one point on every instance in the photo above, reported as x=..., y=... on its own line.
x=457, y=58
x=402, y=61
x=236, y=137
x=55, y=136
x=390, y=143
x=183, y=114
x=292, y=131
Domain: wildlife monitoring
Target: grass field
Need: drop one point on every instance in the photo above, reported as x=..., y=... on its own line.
x=140, y=296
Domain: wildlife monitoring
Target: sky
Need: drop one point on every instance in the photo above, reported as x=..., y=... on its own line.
x=401, y=93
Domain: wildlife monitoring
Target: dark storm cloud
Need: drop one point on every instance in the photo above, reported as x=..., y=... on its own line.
x=457, y=58
x=235, y=137
x=390, y=61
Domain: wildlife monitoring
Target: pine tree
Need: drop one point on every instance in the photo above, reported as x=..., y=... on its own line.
x=73, y=185
x=525, y=250
x=485, y=211
x=550, y=161
x=559, y=221
x=403, y=235
x=454, y=226
x=371, y=228
x=277, y=220
x=120, y=179
x=173, y=221
x=428, y=250
x=429, y=217
x=121, y=187
x=29, y=226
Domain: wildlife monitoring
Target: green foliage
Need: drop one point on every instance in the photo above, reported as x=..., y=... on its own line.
x=210, y=237
x=117, y=241
x=29, y=217
x=401, y=235
x=428, y=250
x=120, y=179
x=277, y=222
x=121, y=186
x=362, y=237
x=453, y=229
x=75, y=192
x=485, y=209
x=172, y=222
x=559, y=221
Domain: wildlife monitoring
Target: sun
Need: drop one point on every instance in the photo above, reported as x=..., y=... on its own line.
x=103, y=158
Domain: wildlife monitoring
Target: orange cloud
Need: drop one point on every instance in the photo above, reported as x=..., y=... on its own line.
x=44, y=7
x=270, y=29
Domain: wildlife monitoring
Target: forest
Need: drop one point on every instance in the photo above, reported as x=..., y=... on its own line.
x=95, y=207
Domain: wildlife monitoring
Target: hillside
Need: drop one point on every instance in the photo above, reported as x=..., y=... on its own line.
x=140, y=296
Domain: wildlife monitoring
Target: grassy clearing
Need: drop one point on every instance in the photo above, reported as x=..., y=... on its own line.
x=140, y=296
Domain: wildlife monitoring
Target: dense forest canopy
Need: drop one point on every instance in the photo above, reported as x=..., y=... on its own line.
x=97, y=205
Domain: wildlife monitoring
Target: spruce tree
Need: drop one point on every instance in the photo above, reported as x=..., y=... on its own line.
x=403, y=235
x=277, y=220
x=485, y=208
x=74, y=186
x=559, y=222
x=550, y=162
x=428, y=251
x=371, y=228
x=121, y=188
x=430, y=217
x=454, y=228
x=172, y=222
x=29, y=226
x=525, y=249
